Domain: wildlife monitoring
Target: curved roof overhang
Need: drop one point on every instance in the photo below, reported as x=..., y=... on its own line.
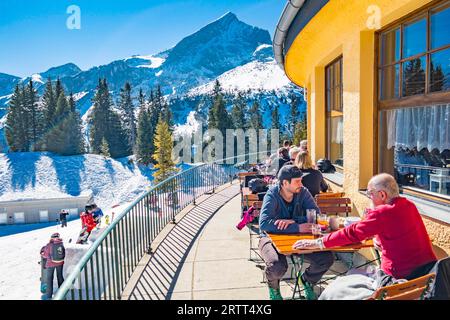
x=295, y=16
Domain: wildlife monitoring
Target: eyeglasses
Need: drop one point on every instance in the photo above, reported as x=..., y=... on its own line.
x=369, y=193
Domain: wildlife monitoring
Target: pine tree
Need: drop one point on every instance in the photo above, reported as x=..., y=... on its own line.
x=35, y=116
x=49, y=110
x=144, y=141
x=16, y=130
x=163, y=152
x=104, y=148
x=275, y=118
x=128, y=116
x=164, y=108
x=300, y=132
x=293, y=115
x=256, y=121
x=105, y=123
x=238, y=112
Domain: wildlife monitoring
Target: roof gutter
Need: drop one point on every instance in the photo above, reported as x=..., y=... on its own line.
x=289, y=13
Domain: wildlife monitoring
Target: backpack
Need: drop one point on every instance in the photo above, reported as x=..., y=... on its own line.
x=257, y=185
x=58, y=252
x=325, y=166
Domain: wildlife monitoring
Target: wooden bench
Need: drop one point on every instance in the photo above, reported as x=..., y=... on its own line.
x=334, y=205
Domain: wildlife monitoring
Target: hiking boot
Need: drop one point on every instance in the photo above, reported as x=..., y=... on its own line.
x=307, y=288
x=275, y=294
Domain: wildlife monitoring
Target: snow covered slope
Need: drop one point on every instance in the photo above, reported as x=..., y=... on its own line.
x=45, y=175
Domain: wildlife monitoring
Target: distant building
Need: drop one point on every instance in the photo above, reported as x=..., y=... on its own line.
x=41, y=210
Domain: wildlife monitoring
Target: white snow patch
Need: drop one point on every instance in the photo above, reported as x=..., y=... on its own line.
x=154, y=62
x=37, y=78
x=190, y=127
x=253, y=76
x=159, y=73
x=79, y=95
x=261, y=47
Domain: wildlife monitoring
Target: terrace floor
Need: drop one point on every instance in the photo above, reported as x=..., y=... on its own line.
x=204, y=256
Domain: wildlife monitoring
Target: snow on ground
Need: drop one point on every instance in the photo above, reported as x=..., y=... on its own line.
x=46, y=175
x=20, y=271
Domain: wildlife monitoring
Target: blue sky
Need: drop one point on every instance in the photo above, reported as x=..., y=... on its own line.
x=34, y=36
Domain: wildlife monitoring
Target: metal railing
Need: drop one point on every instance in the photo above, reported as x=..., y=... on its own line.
x=105, y=269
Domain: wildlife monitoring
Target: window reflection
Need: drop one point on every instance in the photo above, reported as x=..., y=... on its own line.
x=415, y=38
x=414, y=76
x=390, y=46
x=440, y=71
x=440, y=26
x=389, y=82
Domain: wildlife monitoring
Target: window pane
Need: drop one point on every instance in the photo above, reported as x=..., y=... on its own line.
x=440, y=26
x=389, y=82
x=415, y=146
x=415, y=38
x=336, y=140
x=440, y=71
x=390, y=46
x=414, y=76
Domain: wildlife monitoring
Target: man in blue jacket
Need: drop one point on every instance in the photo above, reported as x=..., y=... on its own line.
x=283, y=212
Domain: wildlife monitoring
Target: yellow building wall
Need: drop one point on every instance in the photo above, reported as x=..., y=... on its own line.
x=347, y=28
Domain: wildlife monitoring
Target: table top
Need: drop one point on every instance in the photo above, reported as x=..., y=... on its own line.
x=283, y=243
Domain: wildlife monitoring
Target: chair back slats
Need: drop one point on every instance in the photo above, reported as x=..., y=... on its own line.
x=327, y=195
x=409, y=290
x=335, y=209
x=333, y=201
x=257, y=204
x=334, y=205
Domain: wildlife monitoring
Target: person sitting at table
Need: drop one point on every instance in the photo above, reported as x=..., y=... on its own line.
x=313, y=179
x=398, y=229
x=283, y=212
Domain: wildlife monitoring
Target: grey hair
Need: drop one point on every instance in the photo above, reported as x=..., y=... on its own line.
x=385, y=182
x=303, y=142
x=294, y=150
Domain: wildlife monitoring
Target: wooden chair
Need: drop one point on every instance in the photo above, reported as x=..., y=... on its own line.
x=253, y=229
x=415, y=289
x=334, y=205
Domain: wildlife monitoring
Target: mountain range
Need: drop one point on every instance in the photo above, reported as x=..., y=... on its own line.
x=239, y=55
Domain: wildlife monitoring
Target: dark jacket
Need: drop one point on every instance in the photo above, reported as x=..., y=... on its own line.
x=313, y=181
x=46, y=253
x=274, y=208
x=63, y=216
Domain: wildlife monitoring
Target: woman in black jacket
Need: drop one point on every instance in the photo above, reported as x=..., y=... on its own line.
x=312, y=179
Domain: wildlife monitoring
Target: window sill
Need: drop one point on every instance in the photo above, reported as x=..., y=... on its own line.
x=336, y=178
x=427, y=208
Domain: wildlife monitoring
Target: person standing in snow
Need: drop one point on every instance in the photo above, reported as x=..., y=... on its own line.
x=63, y=218
x=54, y=254
x=87, y=225
x=97, y=214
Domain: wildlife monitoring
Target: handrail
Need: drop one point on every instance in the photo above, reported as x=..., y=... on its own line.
x=122, y=231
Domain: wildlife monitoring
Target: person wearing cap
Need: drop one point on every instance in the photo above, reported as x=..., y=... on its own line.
x=54, y=254
x=283, y=212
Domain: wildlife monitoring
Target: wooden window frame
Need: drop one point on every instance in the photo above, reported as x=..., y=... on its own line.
x=329, y=114
x=413, y=100
x=429, y=98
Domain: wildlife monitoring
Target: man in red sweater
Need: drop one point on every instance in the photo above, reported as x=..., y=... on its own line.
x=394, y=223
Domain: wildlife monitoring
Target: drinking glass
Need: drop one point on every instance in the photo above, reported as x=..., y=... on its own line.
x=311, y=215
x=322, y=219
x=316, y=230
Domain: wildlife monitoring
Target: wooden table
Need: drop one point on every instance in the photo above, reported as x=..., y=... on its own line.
x=284, y=242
